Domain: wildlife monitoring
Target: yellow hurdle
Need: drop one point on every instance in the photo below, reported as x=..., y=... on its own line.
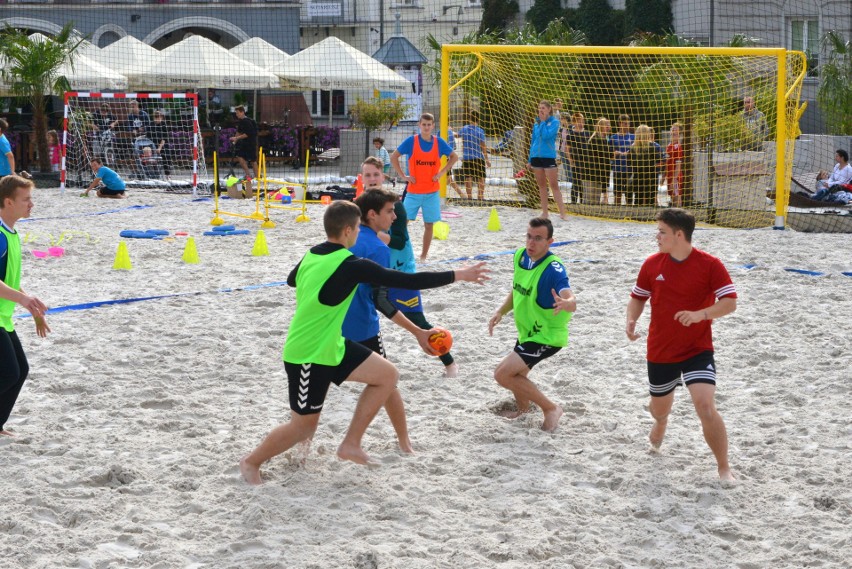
x=303, y=216
x=217, y=220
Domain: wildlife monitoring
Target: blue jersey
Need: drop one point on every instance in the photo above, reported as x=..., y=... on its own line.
x=472, y=138
x=407, y=146
x=5, y=148
x=110, y=179
x=362, y=320
x=621, y=143
x=554, y=277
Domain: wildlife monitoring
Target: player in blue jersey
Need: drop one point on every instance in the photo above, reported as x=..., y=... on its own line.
x=362, y=322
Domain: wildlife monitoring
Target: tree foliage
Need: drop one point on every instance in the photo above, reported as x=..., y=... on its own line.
x=835, y=90
x=649, y=16
x=595, y=19
x=543, y=12
x=31, y=69
x=377, y=113
x=498, y=16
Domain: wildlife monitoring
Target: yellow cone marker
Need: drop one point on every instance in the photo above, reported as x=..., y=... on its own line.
x=493, y=220
x=190, y=253
x=260, y=249
x=122, y=258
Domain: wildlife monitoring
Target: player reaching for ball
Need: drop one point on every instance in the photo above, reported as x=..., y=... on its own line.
x=543, y=302
x=316, y=354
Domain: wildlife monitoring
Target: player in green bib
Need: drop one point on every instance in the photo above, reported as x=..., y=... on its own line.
x=16, y=202
x=543, y=302
x=316, y=353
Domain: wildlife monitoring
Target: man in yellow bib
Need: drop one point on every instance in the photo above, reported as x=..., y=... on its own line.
x=543, y=302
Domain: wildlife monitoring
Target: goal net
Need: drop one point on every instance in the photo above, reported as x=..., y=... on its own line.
x=150, y=139
x=631, y=129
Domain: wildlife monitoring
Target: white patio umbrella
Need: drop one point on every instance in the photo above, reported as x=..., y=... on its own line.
x=334, y=64
x=86, y=74
x=126, y=55
x=260, y=52
x=199, y=63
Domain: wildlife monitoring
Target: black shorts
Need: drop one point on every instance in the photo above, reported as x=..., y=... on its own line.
x=375, y=344
x=108, y=192
x=308, y=383
x=546, y=163
x=246, y=152
x=473, y=170
x=663, y=378
x=533, y=353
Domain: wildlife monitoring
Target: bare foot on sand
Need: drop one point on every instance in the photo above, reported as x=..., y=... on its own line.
x=250, y=472
x=658, y=431
x=551, y=419
x=355, y=453
x=451, y=370
x=405, y=446
x=727, y=477
x=6, y=434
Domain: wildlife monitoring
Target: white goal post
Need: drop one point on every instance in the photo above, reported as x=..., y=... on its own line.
x=150, y=139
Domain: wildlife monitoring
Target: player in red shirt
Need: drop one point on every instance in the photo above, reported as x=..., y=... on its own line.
x=688, y=288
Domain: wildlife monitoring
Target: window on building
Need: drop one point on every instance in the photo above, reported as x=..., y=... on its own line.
x=406, y=4
x=804, y=36
x=320, y=101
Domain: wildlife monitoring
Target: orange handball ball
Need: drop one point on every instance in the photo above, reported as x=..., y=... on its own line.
x=441, y=341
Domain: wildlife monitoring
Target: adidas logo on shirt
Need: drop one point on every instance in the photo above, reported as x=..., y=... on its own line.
x=660, y=277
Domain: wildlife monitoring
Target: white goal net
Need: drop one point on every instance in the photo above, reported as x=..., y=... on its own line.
x=149, y=139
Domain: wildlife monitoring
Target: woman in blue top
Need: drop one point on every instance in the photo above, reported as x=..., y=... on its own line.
x=543, y=157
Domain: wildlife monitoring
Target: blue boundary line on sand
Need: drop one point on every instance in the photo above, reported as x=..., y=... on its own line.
x=99, y=303
x=477, y=257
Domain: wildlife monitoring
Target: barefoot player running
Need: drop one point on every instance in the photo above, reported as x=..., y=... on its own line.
x=688, y=290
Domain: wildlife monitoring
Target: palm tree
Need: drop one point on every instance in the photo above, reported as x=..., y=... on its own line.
x=31, y=69
x=835, y=89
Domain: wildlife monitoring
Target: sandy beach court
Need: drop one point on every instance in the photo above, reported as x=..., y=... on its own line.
x=130, y=426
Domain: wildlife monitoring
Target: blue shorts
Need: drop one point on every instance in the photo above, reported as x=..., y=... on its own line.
x=429, y=203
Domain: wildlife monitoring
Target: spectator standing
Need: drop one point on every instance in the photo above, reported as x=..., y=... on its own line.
x=576, y=141
x=599, y=160
x=542, y=158
x=621, y=142
x=644, y=157
x=474, y=156
x=674, y=167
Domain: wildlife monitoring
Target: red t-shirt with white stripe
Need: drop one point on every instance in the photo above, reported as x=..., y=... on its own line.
x=692, y=284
